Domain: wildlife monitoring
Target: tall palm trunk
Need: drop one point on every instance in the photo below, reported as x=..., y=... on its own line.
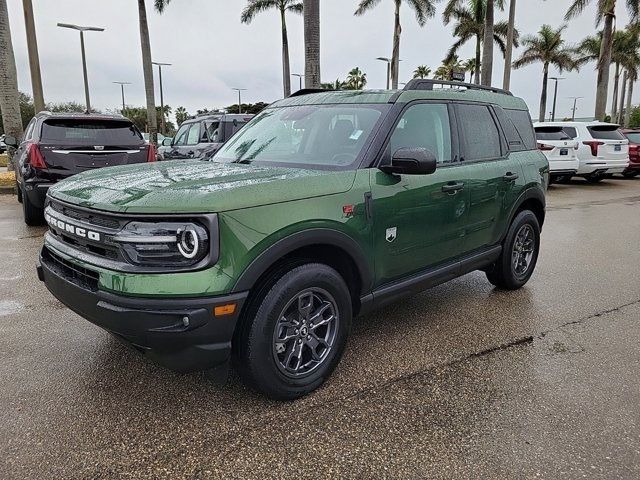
x=627, y=112
x=604, y=64
x=487, y=45
x=616, y=89
x=478, y=59
x=311, y=11
x=286, y=69
x=622, y=99
x=543, y=96
x=34, y=59
x=9, y=97
x=506, y=81
x=395, y=58
x=147, y=68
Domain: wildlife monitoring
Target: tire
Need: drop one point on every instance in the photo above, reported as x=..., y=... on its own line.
x=631, y=174
x=33, y=216
x=563, y=179
x=19, y=192
x=594, y=178
x=286, y=370
x=503, y=273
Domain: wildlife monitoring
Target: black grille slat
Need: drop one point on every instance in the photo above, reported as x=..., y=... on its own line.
x=80, y=276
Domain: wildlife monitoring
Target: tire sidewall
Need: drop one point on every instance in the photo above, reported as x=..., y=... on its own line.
x=260, y=363
x=523, y=218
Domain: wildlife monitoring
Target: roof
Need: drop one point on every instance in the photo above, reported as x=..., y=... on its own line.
x=227, y=116
x=401, y=96
x=91, y=116
x=574, y=124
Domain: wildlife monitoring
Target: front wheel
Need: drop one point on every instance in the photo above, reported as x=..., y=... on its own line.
x=290, y=344
x=519, y=254
x=33, y=216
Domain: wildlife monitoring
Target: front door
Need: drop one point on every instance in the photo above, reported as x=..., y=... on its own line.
x=419, y=220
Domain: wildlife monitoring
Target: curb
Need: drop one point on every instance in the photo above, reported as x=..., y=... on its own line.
x=7, y=190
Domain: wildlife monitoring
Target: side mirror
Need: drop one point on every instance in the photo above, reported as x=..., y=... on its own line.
x=11, y=141
x=411, y=161
x=166, y=142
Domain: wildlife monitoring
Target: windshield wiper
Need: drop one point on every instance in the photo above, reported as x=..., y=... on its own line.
x=243, y=161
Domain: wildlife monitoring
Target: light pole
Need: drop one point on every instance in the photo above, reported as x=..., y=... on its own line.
x=575, y=106
x=300, y=77
x=555, y=97
x=239, y=90
x=84, y=58
x=160, y=65
x=122, y=84
x=388, y=60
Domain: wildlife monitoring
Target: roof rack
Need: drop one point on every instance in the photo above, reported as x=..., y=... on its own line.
x=307, y=91
x=428, y=84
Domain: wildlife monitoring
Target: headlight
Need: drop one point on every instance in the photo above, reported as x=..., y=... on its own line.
x=168, y=244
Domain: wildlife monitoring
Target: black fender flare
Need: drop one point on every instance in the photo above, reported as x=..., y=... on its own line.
x=306, y=238
x=535, y=193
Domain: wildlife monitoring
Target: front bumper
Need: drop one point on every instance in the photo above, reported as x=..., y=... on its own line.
x=182, y=334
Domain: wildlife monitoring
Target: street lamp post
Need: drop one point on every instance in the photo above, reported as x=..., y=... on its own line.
x=163, y=125
x=239, y=90
x=84, y=58
x=575, y=107
x=388, y=61
x=122, y=84
x=555, y=97
x=300, y=77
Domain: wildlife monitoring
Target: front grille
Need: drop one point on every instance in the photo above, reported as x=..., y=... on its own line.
x=99, y=220
x=80, y=276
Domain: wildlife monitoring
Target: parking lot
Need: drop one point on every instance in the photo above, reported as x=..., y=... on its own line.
x=460, y=381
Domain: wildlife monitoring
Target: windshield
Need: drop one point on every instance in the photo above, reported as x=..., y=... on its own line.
x=310, y=136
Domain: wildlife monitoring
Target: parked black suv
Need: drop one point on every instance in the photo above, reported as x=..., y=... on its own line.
x=201, y=137
x=56, y=146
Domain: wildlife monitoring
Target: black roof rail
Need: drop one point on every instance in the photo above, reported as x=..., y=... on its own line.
x=428, y=84
x=307, y=91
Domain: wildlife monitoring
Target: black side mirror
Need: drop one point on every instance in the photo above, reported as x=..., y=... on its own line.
x=411, y=161
x=11, y=141
x=166, y=142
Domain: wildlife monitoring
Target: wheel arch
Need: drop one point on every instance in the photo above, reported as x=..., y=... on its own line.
x=532, y=199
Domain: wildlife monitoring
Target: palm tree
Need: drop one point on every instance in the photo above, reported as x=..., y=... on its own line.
x=423, y=9
x=511, y=37
x=34, y=58
x=356, y=80
x=547, y=47
x=311, y=10
x=283, y=6
x=421, y=72
x=337, y=85
x=181, y=115
x=470, y=24
x=606, y=12
x=9, y=96
x=471, y=67
x=487, y=50
x=147, y=69
x=445, y=71
x=471, y=17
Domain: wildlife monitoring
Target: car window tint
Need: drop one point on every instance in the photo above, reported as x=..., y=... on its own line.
x=551, y=133
x=522, y=121
x=606, y=132
x=181, y=136
x=513, y=137
x=424, y=126
x=213, y=131
x=633, y=136
x=571, y=131
x=193, y=138
x=480, y=136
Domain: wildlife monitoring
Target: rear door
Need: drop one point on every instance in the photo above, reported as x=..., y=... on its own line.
x=71, y=146
x=554, y=142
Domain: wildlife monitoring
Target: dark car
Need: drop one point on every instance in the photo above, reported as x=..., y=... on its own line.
x=56, y=146
x=201, y=137
x=633, y=169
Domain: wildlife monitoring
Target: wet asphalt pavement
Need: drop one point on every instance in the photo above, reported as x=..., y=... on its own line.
x=462, y=381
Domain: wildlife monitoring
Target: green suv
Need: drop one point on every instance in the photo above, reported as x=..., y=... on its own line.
x=325, y=206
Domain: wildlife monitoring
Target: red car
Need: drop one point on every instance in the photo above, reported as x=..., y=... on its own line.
x=634, y=152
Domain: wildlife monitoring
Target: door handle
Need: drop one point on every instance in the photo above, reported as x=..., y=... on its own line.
x=510, y=177
x=452, y=188
x=190, y=154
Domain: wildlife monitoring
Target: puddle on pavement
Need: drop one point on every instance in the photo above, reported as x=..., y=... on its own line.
x=9, y=307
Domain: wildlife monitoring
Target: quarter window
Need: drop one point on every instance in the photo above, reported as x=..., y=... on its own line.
x=424, y=125
x=522, y=122
x=480, y=135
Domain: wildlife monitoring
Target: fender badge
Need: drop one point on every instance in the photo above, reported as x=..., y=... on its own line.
x=391, y=234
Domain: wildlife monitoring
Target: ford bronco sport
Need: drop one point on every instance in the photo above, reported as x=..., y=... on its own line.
x=324, y=206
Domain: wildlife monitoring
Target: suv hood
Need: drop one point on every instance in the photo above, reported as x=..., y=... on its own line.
x=192, y=186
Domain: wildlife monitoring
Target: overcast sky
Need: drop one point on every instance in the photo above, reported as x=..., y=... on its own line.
x=211, y=51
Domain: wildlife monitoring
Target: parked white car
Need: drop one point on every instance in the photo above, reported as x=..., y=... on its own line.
x=561, y=151
x=602, y=149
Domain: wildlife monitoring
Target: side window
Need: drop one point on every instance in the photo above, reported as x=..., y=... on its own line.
x=571, y=131
x=522, y=122
x=513, y=137
x=424, y=125
x=181, y=136
x=213, y=131
x=193, y=138
x=29, y=130
x=479, y=133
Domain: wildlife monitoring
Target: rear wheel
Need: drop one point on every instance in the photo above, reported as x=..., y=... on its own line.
x=594, y=178
x=294, y=335
x=33, y=215
x=631, y=173
x=19, y=192
x=519, y=254
x=564, y=179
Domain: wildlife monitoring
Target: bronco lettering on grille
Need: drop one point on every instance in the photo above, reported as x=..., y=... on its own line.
x=72, y=229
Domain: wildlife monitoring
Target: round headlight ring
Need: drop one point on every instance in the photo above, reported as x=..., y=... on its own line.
x=188, y=242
